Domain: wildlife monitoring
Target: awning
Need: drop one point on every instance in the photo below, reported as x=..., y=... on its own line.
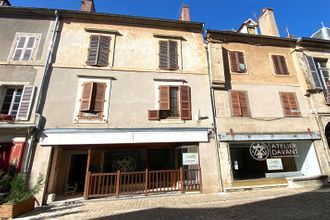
x=85, y=136
x=225, y=137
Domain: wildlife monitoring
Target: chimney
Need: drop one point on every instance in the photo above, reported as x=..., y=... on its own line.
x=267, y=23
x=185, y=13
x=87, y=5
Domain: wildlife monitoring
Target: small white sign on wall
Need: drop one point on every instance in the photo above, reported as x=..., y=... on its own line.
x=190, y=158
x=274, y=164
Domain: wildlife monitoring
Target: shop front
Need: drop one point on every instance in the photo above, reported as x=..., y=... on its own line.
x=263, y=161
x=113, y=169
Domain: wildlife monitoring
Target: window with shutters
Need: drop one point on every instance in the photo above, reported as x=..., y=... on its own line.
x=319, y=75
x=280, y=65
x=17, y=102
x=99, y=50
x=92, y=100
x=25, y=47
x=174, y=102
x=290, y=104
x=240, y=103
x=237, y=62
x=168, y=55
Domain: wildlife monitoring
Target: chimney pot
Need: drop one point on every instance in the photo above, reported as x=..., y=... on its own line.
x=267, y=23
x=185, y=13
x=87, y=5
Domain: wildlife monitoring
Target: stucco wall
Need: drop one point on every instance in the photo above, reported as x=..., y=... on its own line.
x=134, y=48
x=132, y=94
x=10, y=26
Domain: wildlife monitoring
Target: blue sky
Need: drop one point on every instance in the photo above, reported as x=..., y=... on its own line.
x=302, y=17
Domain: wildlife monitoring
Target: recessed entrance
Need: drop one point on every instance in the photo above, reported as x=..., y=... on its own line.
x=77, y=172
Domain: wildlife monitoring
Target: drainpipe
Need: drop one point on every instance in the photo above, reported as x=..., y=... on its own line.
x=220, y=181
x=38, y=114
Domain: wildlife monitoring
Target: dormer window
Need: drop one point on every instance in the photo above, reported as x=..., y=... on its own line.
x=251, y=29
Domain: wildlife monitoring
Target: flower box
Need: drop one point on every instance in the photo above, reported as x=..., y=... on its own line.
x=8, y=118
x=11, y=211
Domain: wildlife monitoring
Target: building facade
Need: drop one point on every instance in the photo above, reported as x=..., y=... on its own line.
x=24, y=46
x=266, y=131
x=129, y=94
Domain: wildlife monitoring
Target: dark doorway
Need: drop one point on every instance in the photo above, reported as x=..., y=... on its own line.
x=327, y=133
x=77, y=171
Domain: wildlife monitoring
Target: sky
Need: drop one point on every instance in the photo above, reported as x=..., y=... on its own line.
x=300, y=17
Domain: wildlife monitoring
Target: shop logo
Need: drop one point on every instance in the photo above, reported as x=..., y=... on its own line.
x=259, y=151
x=124, y=164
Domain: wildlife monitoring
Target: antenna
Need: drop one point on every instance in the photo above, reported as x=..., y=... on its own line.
x=255, y=16
x=287, y=31
x=322, y=24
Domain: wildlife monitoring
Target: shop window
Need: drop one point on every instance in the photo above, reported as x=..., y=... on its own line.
x=174, y=102
x=280, y=65
x=237, y=62
x=240, y=104
x=290, y=104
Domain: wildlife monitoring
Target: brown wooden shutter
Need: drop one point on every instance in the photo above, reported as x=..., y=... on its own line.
x=153, y=115
x=86, y=96
x=185, y=103
x=164, y=98
x=280, y=65
x=104, y=49
x=98, y=97
x=290, y=104
x=25, y=103
x=163, y=55
x=276, y=64
x=93, y=51
x=173, y=55
x=235, y=102
x=233, y=61
x=284, y=68
x=243, y=99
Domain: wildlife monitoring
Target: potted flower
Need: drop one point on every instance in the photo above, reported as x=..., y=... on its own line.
x=20, y=198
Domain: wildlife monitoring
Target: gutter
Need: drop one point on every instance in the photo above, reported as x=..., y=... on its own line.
x=41, y=95
x=208, y=58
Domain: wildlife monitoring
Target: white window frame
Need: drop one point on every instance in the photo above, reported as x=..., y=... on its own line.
x=106, y=106
x=34, y=48
x=12, y=102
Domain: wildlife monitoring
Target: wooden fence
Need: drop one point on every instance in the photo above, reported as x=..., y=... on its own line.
x=144, y=182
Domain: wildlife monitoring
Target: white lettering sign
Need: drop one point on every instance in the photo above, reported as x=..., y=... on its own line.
x=190, y=158
x=274, y=164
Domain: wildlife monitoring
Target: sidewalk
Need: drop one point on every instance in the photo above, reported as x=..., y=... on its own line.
x=194, y=205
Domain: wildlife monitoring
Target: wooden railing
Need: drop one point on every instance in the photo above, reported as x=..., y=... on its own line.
x=145, y=182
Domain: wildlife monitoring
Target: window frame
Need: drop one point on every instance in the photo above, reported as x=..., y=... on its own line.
x=286, y=63
x=105, y=113
x=179, y=54
x=297, y=103
x=157, y=99
x=34, y=52
x=249, y=115
x=245, y=72
x=111, y=56
x=12, y=102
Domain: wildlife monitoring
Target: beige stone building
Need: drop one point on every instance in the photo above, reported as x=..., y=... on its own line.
x=312, y=59
x=266, y=131
x=127, y=94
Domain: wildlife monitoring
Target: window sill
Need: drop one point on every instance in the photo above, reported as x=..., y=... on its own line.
x=84, y=121
x=170, y=121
